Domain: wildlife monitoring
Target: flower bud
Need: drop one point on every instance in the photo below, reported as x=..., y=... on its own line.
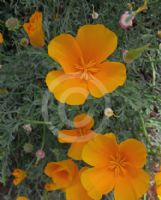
x=24, y=42
x=95, y=15
x=40, y=154
x=126, y=20
x=159, y=33
x=28, y=148
x=27, y=128
x=131, y=55
x=108, y=112
x=12, y=24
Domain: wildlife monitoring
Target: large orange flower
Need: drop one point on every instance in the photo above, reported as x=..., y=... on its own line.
x=34, y=30
x=82, y=59
x=158, y=183
x=65, y=176
x=19, y=175
x=78, y=136
x=115, y=166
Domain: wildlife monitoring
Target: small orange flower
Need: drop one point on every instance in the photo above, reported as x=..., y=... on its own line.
x=158, y=183
x=82, y=59
x=34, y=30
x=65, y=176
x=115, y=166
x=22, y=198
x=1, y=38
x=19, y=175
x=78, y=136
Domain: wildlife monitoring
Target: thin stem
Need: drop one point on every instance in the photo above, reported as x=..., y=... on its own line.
x=153, y=70
x=144, y=128
x=37, y=122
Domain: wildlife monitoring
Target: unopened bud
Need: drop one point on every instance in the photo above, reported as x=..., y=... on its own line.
x=108, y=112
x=126, y=20
x=27, y=128
x=24, y=42
x=12, y=24
x=40, y=154
x=131, y=55
x=28, y=148
x=95, y=15
x=159, y=33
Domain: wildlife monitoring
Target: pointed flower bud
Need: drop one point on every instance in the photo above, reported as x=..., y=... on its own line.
x=131, y=55
x=94, y=14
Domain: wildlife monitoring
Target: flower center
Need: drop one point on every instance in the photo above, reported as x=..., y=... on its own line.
x=118, y=164
x=85, y=71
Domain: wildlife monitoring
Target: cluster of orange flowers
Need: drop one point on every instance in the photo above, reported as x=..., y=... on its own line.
x=111, y=166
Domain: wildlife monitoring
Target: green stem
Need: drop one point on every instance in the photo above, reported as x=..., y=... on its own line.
x=37, y=122
x=153, y=70
x=144, y=128
x=43, y=138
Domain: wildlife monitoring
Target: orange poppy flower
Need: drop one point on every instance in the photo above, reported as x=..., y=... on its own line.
x=78, y=136
x=22, y=198
x=19, y=175
x=34, y=30
x=1, y=38
x=158, y=183
x=84, y=71
x=115, y=166
x=65, y=176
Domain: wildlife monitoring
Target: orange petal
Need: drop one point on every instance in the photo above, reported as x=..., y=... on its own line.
x=67, y=89
x=51, y=167
x=135, y=152
x=51, y=186
x=158, y=190
x=124, y=191
x=37, y=38
x=75, y=135
x=132, y=186
x=62, y=172
x=140, y=181
x=107, y=79
x=158, y=178
x=1, y=38
x=76, y=191
x=97, y=181
x=75, y=150
x=83, y=120
x=20, y=175
x=34, y=30
x=17, y=181
x=22, y=198
x=65, y=50
x=97, y=151
x=68, y=136
x=96, y=42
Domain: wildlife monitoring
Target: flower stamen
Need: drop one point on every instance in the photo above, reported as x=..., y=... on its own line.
x=85, y=70
x=118, y=164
